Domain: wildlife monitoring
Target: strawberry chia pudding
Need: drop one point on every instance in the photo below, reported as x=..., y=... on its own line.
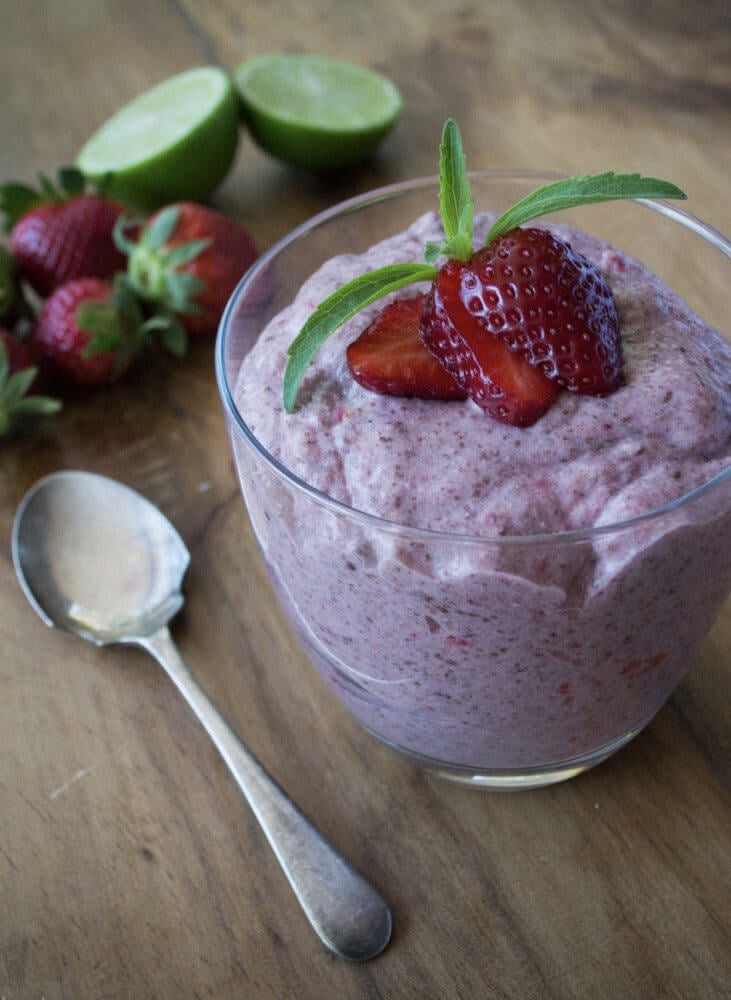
x=475, y=615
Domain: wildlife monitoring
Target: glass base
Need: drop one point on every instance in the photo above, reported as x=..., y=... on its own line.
x=511, y=779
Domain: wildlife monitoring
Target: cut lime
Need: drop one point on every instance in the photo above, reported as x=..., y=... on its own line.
x=315, y=112
x=174, y=142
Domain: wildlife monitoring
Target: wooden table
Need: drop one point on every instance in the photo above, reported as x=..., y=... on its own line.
x=130, y=868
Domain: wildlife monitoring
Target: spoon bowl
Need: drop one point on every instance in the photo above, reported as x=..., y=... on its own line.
x=97, y=559
x=100, y=561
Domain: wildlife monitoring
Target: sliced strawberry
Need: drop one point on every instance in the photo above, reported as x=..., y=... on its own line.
x=390, y=358
x=549, y=304
x=505, y=385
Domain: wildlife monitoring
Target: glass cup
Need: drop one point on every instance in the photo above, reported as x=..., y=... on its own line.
x=499, y=662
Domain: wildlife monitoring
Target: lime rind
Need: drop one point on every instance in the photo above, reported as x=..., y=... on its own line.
x=313, y=111
x=176, y=141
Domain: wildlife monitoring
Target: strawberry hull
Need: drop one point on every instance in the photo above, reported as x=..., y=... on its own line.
x=471, y=591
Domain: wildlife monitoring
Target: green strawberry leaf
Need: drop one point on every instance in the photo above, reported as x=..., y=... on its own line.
x=584, y=190
x=432, y=252
x=15, y=405
x=101, y=343
x=186, y=252
x=71, y=181
x=103, y=185
x=8, y=286
x=4, y=364
x=180, y=287
x=159, y=231
x=102, y=320
x=48, y=190
x=121, y=241
x=18, y=384
x=170, y=331
x=337, y=309
x=15, y=201
x=36, y=406
x=126, y=300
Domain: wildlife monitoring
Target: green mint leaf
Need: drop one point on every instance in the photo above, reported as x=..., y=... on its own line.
x=337, y=309
x=581, y=191
x=455, y=195
x=432, y=252
x=459, y=247
x=4, y=364
x=161, y=228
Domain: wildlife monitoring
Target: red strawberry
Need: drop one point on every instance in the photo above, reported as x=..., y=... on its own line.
x=549, y=304
x=19, y=385
x=189, y=259
x=61, y=234
x=390, y=358
x=88, y=332
x=503, y=384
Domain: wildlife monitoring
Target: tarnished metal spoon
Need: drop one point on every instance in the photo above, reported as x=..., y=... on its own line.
x=97, y=559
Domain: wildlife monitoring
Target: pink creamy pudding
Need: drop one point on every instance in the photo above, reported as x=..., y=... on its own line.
x=497, y=651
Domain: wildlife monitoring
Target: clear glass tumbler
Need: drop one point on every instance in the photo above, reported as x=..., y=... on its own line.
x=498, y=662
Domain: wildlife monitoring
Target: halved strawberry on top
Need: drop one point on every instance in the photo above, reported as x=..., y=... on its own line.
x=390, y=358
x=513, y=322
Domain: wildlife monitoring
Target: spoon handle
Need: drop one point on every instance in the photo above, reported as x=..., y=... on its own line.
x=345, y=911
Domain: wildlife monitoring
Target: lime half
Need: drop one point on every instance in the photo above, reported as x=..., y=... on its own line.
x=315, y=112
x=174, y=142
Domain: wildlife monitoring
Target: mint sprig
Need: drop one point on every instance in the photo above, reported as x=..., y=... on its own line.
x=457, y=213
x=574, y=191
x=337, y=309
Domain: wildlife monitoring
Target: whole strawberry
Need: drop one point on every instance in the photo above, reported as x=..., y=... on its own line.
x=88, y=332
x=188, y=260
x=20, y=384
x=60, y=233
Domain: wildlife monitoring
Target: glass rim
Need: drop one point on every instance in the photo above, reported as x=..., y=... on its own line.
x=414, y=532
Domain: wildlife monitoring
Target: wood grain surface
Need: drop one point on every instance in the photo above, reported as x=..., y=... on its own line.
x=130, y=868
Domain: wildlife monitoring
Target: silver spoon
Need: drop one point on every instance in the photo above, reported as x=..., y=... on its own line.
x=98, y=560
